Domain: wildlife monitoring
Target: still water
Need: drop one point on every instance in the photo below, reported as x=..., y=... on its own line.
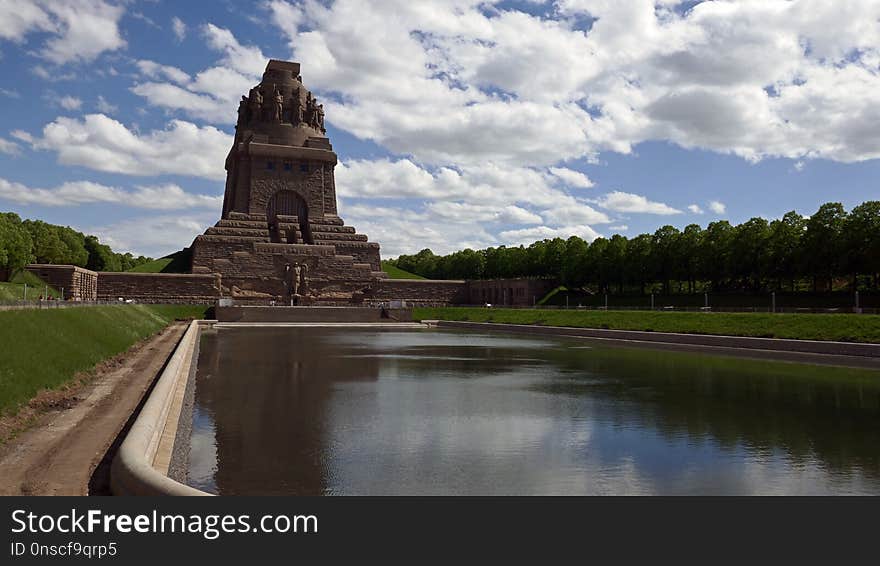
x=310, y=411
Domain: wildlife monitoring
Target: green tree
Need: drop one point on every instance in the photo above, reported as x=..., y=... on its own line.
x=638, y=260
x=862, y=231
x=101, y=257
x=715, y=252
x=664, y=252
x=784, y=248
x=823, y=243
x=573, y=271
x=16, y=244
x=688, y=255
x=748, y=254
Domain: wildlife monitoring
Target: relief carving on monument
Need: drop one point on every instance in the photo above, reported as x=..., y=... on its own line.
x=278, y=105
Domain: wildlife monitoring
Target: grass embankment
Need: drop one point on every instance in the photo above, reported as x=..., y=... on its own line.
x=395, y=272
x=44, y=349
x=839, y=327
x=178, y=262
x=13, y=290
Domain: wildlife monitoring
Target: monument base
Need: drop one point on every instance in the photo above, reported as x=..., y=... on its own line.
x=311, y=314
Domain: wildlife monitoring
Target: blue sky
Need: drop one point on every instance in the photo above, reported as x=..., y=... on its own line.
x=457, y=123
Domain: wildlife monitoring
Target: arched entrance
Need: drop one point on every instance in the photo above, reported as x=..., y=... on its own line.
x=288, y=203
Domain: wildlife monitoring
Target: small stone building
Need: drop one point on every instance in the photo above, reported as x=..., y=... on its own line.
x=513, y=292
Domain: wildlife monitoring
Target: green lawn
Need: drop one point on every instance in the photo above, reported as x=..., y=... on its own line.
x=839, y=327
x=43, y=349
x=395, y=272
x=14, y=289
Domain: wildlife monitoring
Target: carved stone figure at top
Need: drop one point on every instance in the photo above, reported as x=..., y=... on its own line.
x=256, y=102
x=243, y=112
x=296, y=107
x=319, y=118
x=278, y=106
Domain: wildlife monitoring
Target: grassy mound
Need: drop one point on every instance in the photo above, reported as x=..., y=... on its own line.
x=395, y=272
x=42, y=349
x=836, y=327
x=13, y=290
x=178, y=262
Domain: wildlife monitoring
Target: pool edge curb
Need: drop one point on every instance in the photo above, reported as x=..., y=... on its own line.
x=150, y=438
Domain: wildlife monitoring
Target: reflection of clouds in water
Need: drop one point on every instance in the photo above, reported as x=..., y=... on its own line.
x=202, y=452
x=390, y=340
x=544, y=421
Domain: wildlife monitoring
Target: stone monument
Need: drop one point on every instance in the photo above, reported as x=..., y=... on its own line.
x=279, y=238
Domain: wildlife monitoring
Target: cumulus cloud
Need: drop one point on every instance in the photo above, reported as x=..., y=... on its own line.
x=572, y=178
x=695, y=209
x=717, y=207
x=526, y=236
x=153, y=235
x=469, y=81
x=212, y=94
x=105, y=107
x=619, y=201
x=99, y=142
x=179, y=28
x=9, y=147
x=79, y=30
x=69, y=102
x=160, y=197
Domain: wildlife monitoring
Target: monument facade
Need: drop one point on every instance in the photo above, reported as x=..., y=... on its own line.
x=279, y=237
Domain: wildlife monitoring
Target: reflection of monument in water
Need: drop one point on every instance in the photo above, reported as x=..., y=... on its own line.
x=268, y=402
x=279, y=235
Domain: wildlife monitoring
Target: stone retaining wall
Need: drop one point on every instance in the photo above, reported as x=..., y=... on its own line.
x=77, y=284
x=160, y=287
x=425, y=292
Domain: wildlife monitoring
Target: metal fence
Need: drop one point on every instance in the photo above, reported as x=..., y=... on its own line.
x=55, y=304
x=710, y=309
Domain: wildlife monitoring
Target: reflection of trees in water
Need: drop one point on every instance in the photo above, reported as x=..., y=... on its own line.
x=829, y=413
x=267, y=392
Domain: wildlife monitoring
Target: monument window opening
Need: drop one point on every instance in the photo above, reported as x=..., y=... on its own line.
x=288, y=203
x=288, y=166
x=304, y=167
x=270, y=165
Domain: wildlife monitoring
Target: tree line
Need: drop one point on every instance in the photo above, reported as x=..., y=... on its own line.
x=34, y=241
x=787, y=254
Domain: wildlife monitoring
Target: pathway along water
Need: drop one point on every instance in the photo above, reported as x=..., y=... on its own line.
x=308, y=411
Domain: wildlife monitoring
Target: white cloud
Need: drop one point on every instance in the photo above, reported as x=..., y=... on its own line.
x=619, y=228
x=153, y=236
x=69, y=102
x=212, y=94
x=160, y=197
x=79, y=30
x=153, y=70
x=9, y=147
x=179, y=28
x=22, y=136
x=717, y=207
x=572, y=178
x=467, y=81
x=619, y=201
x=99, y=142
x=105, y=107
x=695, y=209
x=526, y=236
x=422, y=205
x=10, y=93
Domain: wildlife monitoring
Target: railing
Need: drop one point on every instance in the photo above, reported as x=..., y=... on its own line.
x=56, y=304
x=764, y=309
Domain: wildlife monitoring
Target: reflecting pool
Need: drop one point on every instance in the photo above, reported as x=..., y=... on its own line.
x=310, y=411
